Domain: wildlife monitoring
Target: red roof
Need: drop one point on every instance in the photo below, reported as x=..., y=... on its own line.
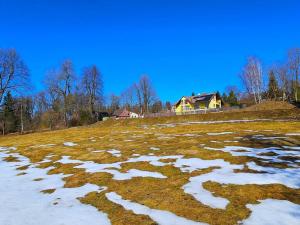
x=122, y=113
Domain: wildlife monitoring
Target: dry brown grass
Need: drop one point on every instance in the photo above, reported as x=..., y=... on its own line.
x=270, y=105
x=163, y=194
x=48, y=191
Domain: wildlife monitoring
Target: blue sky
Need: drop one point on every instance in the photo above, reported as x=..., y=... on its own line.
x=184, y=46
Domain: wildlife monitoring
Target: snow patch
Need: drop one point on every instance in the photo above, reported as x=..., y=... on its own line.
x=225, y=175
x=259, y=152
x=159, y=216
x=275, y=212
x=70, y=144
x=98, y=151
x=220, y=133
x=22, y=202
x=154, y=148
x=115, y=152
x=112, y=168
x=42, y=146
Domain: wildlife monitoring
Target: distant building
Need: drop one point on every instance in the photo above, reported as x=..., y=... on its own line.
x=124, y=114
x=198, y=102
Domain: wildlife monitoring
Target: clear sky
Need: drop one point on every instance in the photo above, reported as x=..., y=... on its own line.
x=184, y=46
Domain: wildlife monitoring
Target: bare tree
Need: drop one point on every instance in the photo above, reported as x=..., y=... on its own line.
x=14, y=74
x=282, y=76
x=129, y=97
x=145, y=93
x=114, y=103
x=252, y=78
x=93, y=86
x=294, y=66
x=41, y=103
x=139, y=97
x=157, y=107
x=60, y=83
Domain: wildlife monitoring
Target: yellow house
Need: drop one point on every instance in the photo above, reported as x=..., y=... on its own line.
x=198, y=102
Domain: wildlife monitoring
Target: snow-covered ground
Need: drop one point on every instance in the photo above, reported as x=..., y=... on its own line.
x=226, y=175
x=275, y=212
x=23, y=203
x=261, y=153
x=289, y=177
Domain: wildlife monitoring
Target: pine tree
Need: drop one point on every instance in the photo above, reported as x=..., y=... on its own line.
x=273, y=86
x=232, y=99
x=10, y=119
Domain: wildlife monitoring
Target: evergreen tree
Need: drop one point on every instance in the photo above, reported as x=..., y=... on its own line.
x=232, y=99
x=273, y=86
x=9, y=117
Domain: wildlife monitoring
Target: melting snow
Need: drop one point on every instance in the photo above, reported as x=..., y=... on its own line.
x=115, y=152
x=42, y=146
x=97, y=151
x=259, y=152
x=92, y=167
x=220, y=133
x=159, y=216
x=69, y=144
x=275, y=212
x=22, y=202
x=226, y=175
x=293, y=134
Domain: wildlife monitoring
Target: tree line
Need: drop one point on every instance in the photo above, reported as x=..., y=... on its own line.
x=68, y=99
x=71, y=99
x=277, y=82
x=140, y=97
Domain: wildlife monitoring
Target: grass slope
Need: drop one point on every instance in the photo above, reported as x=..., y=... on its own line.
x=173, y=137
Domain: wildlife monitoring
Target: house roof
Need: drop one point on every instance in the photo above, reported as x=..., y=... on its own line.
x=199, y=98
x=123, y=113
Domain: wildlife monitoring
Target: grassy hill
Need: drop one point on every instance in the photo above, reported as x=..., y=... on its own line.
x=172, y=164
